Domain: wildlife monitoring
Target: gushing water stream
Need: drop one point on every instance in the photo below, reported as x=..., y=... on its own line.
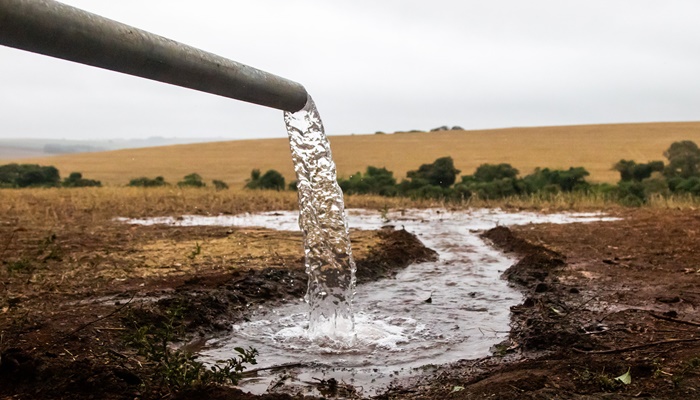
x=328, y=255
x=431, y=313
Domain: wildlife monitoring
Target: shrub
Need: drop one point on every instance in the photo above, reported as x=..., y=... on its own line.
x=75, y=179
x=690, y=185
x=430, y=192
x=375, y=181
x=271, y=180
x=564, y=180
x=496, y=189
x=631, y=193
x=148, y=182
x=192, y=180
x=631, y=171
x=219, y=184
x=28, y=175
x=441, y=172
x=493, y=172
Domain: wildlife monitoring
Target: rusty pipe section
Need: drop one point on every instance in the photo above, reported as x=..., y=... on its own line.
x=58, y=30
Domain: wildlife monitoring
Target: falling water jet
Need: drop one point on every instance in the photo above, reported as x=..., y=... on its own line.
x=328, y=254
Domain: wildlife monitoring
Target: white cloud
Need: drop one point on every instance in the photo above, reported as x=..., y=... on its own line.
x=388, y=65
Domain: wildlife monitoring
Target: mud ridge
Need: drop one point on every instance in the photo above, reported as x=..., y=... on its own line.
x=540, y=322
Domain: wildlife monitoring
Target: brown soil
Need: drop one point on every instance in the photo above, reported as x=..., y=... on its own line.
x=601, y=299
x=74, y=299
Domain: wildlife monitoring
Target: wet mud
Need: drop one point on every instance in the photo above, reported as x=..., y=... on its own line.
x=604, y=301
x=63, y=344
x=610, y=311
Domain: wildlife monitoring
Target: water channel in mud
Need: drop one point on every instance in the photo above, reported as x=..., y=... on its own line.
x=431, y=313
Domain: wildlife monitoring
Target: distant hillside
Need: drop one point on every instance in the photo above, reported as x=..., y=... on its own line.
x=22, y=148
x=12, y=153
x=595, y=147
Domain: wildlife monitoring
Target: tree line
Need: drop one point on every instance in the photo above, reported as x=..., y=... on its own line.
x=438, y=180
x=639, y=181
x=34, y=175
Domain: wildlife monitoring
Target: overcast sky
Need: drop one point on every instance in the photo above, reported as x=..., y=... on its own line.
x=379, y=65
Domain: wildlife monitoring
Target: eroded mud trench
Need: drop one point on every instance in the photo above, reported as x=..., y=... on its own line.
x=455, y=306
x=600, y=299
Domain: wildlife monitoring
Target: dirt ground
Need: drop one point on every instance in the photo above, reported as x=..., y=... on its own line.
x=601, y=300
x=89, y=308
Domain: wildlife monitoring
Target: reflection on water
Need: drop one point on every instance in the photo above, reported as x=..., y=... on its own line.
x=397, y=328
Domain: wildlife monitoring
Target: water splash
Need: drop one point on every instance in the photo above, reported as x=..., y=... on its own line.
x=327, y=250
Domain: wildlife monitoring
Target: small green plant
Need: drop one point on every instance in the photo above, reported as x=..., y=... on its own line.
x=689, y=367
x=385, y=214
x=49, y=248
x=500, y=349
x=603, y=380
x=178, y=369
x=197, y=251
x=20, y=266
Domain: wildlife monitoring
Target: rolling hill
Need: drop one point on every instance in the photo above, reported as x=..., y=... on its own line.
x=595, y=147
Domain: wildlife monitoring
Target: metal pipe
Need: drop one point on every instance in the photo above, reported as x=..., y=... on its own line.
x=58, y=30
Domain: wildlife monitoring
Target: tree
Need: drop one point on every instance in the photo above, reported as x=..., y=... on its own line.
x=683, y=159
x=29, y=175
x=625, y=168
x=441, y=172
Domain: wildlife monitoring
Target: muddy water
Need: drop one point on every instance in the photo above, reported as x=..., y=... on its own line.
x=431, y=313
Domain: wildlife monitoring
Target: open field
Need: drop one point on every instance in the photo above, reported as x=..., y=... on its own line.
x=595, y=147
x=600, y=298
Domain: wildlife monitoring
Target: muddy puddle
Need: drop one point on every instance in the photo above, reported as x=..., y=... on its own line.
x=431, y=313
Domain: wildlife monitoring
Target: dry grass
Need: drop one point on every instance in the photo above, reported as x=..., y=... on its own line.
x=70, y=235
x=595, y=147
x=52, y=208
x=67, y=241
x=55, y=209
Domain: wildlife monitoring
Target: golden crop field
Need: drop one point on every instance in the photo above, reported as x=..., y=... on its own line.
x=595, y=147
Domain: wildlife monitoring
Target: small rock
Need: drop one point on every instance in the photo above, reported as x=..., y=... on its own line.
x=669, y=299
x=671, y=314
x=541, y=287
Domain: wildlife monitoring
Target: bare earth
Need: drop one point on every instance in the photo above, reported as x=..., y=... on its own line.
x=601, y=299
